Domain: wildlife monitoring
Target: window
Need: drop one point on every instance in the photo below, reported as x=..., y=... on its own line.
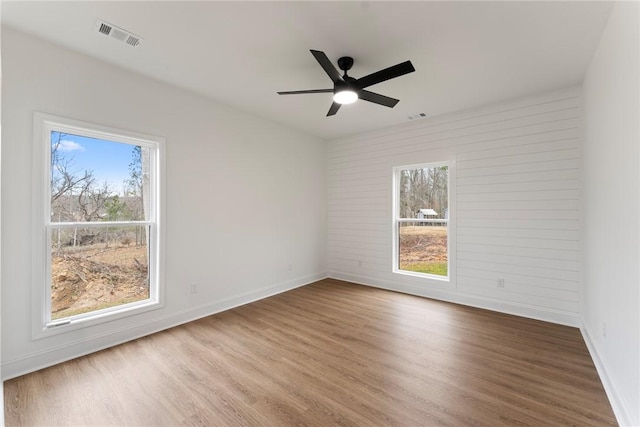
x=421, y=224
x=98, y=227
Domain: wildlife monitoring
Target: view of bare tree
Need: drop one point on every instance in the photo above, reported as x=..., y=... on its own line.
x=424, y=188
x=78, y=196
x=135, y=190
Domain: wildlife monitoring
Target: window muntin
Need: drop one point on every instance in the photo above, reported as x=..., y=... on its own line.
x=421, y=226
x=101, y=235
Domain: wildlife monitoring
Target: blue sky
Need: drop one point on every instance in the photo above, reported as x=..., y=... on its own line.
x=108, y=160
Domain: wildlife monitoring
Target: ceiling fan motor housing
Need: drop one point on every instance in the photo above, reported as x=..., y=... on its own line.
x=347, y=84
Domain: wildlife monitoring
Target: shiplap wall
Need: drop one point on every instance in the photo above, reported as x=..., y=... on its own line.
x=515, y=205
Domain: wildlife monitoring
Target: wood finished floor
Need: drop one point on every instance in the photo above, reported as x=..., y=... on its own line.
x=330, y=353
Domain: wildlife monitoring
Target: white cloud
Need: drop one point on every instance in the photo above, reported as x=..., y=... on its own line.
x=66, y=145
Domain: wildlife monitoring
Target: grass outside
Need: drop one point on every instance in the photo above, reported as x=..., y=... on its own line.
x=437, y=268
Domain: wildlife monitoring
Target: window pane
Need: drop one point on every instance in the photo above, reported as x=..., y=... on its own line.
x=423, y=248
x=98, y=180
x=94, y=268
x=423, y=196
x=424, y=193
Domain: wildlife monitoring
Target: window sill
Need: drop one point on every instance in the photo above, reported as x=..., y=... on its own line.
x=70, y=324
x=441, y=279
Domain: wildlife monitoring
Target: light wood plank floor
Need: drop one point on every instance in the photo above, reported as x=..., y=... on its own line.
x=330, y=353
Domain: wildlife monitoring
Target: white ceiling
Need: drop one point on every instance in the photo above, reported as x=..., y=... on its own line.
x=240, y=53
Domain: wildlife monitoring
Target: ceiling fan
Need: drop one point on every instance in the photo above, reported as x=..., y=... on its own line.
x=347, y=89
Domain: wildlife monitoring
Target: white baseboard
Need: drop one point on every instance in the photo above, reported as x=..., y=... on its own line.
x=52, y=356
x=620, y=409
x=442, y=294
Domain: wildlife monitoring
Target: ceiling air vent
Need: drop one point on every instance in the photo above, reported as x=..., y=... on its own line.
x=117, y=33
x=417, y=116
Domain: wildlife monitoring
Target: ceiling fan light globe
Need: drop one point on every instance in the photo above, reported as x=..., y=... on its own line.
x=345, y=97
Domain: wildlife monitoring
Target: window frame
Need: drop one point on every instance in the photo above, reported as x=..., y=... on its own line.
x=434, y=279
x=44, y=124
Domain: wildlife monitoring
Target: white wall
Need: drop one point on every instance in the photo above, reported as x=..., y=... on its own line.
x=517, y=204
x=245, y=197
x=611, y=213
x=2, y=423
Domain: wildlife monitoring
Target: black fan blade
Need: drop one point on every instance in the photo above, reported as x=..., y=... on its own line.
x=377, y=98
x=328, y=67
x=386, y=74
x=298, y=92
x=333, y=109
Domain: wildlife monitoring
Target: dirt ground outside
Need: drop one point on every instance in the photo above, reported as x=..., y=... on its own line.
x=424, y=249
x=89, y=278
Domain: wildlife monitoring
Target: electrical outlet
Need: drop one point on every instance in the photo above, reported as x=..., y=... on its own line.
x=501, y=283
x=194, y=288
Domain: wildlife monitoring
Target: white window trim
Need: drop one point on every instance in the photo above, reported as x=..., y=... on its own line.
x=431, y=279
x=40, y=292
